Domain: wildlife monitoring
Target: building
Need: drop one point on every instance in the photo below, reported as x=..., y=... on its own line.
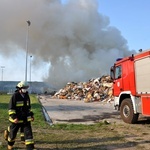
x=35, y=87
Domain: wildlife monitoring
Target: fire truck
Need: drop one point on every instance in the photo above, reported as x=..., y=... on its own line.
x=131, y=86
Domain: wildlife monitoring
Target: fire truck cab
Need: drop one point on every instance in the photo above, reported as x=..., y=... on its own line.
x=131, y=86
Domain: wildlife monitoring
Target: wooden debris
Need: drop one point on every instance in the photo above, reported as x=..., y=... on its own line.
x=99, y=89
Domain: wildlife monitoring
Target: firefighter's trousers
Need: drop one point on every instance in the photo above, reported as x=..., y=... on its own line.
x=13, y=129
x=22, y=134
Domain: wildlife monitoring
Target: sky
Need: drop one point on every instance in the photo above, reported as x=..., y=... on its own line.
x=72, y=40
x=131, y=18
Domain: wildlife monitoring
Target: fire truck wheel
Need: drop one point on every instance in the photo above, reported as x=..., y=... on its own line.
x=127, y=112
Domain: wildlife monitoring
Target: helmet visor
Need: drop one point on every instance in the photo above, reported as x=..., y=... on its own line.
x=25, y=87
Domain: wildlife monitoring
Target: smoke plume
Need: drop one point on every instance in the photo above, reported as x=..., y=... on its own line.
x=74, y=38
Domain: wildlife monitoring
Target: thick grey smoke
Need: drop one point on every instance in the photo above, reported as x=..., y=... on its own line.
x=75, y=39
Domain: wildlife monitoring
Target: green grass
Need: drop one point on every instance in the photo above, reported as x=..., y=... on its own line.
x=100, y=136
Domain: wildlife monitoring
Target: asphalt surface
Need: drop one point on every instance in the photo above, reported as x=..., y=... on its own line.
x=77, y=112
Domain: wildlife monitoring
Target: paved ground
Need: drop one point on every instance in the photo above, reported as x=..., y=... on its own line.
x=73, y=111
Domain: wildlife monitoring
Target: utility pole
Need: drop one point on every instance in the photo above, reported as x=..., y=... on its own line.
x=2, y=67
x=27, y=36
x=30, y=67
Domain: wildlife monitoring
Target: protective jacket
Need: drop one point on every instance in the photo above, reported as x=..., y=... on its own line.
x=20, y=108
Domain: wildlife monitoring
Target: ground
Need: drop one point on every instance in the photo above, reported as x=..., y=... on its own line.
x=113, y=134
x=69, y=111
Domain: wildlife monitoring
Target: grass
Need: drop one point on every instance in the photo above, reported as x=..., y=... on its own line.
x=100, y=136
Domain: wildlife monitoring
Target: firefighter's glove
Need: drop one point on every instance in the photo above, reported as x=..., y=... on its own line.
x=32, y=119
x=16, y=120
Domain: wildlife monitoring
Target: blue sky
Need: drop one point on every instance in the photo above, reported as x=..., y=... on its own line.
x=132, y=18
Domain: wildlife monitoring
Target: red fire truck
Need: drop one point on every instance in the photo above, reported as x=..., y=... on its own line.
x=131, y=86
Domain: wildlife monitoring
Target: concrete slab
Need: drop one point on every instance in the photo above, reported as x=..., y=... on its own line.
x=79, y=112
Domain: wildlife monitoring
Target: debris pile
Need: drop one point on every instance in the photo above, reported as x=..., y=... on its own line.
x=99, y=89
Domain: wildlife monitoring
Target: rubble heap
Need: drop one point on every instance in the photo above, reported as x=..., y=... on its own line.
x=99, y=89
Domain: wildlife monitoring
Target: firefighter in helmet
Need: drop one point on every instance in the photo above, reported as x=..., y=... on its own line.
x=20, y=116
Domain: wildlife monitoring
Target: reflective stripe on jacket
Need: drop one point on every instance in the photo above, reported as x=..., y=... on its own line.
x=19, y=107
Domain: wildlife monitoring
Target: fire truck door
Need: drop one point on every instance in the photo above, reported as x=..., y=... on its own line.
x=118, y=87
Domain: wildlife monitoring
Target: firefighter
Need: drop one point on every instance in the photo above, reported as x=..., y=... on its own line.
x=20, y=116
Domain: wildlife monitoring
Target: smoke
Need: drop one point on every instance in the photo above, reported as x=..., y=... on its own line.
x=75, y=40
